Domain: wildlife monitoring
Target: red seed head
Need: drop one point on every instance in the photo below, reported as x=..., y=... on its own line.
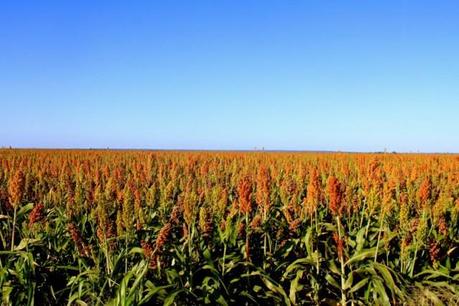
x=244, y=190
x=16, y=187
x=335, y=194
x=37, y=214
x=425, y=191
x=313, y=194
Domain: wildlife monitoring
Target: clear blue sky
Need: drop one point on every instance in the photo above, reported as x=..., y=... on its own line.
x=313, y=75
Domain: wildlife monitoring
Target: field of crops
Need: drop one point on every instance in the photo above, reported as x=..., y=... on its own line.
x=247, y=228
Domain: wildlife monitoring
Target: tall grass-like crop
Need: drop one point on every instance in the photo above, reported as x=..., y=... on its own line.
x=228, y=228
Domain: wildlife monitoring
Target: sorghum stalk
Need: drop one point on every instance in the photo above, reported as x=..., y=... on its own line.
x=14, y=228
x=341, y=260
x=335, y=193
x=379, y=234
x=16, y=188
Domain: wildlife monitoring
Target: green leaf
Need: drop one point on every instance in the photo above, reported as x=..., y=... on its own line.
x=221, y=300
x=349, y=281
x=270, y=284
x=359, y=285
x=360, y=239
x=257, y=288
x=295, y=286
x=298, y=264
x=379, y=288
x=387, y=276
x=136, y=250
x=332, y=281
x=171, y=297
x=333, y=268
x=25, y=242
x=308, y=241
x=432, y=274
x=24, y=209
x=360, y=256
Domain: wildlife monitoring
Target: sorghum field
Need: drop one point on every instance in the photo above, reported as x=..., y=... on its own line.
x=191, y=228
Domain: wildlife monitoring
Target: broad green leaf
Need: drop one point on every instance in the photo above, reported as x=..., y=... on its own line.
x=359, y=285
x=368, y=253
x=332, y=281
x=295, y=287
x=26, y=242
x=387, y=276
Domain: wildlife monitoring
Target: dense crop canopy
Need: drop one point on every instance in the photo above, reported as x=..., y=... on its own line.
x=192, y=228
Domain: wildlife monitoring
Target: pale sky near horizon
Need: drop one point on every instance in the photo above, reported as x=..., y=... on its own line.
x=283, y=75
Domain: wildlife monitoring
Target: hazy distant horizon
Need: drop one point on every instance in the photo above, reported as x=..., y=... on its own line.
x=220, y=150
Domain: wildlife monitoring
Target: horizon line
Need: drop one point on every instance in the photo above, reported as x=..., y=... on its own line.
x=222, y=150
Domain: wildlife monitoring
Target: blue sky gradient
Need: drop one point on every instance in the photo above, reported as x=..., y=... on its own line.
x=291, y=75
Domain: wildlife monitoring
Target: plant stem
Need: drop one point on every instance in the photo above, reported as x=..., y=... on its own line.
x=363, y=213
x=317, y=235
x=264, y=249
x=414, y=260
x=341, y=260
x=14, y=228
x=125, y=258
x=247, y=236
x=379, y=235
x=224, y=257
